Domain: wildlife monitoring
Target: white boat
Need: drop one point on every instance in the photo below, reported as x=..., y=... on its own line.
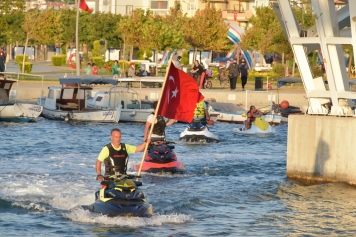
x=15, y=111
x=134, y=108
x=198, y=133
x=229, y=112
x=260, y=127
x=71, y=101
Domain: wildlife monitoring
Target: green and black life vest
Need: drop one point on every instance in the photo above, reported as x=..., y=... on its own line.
x=117, y=160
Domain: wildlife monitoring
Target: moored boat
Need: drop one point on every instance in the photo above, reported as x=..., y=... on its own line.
x=71, y=101
x=12, y=110
x=134, y=106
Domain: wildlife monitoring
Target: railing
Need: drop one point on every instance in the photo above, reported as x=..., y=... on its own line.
x=245, y=15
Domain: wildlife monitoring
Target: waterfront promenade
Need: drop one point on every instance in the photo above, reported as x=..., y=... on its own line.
x=31, y=90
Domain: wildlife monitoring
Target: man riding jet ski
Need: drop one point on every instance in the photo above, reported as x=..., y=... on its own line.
x=160, y=156
x=119, y=194
x=197, y=131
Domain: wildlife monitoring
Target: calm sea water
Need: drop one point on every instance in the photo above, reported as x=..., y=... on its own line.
x=235, y=188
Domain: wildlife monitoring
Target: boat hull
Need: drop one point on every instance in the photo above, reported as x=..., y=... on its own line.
x=20, y=112
x=240, y=118
x=152, y=167
x=204, y=136
x=102, y=116
x=255, y=131
x=119, y=207
x=135, y=115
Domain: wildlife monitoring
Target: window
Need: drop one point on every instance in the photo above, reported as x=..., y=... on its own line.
x=98, y=99
x=191, y=6
x=80, y=94
x=159, y=4
x=129, y=9
x=68, y=94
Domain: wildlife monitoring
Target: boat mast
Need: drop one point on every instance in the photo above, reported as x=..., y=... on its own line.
x=77, y=60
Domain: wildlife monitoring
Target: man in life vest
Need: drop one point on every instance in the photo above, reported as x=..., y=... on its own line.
x=158, y=132
x=115, y=155
x=201, y=113
x=251, y=115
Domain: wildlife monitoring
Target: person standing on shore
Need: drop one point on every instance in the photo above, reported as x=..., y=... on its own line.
x=234, y=72
x=197, y=71
x=2, y=61
x=243, y=73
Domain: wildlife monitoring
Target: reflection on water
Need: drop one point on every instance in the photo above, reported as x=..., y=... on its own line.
x=237, y=187
x=327, y=208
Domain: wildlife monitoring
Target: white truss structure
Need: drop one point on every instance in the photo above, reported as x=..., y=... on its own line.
x=332, y=30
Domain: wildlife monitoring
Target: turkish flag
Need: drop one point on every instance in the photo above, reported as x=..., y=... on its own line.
x=83, y=5
x=180, y=96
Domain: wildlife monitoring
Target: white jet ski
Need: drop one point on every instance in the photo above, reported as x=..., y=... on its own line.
x=197, y=132
x=258, y=128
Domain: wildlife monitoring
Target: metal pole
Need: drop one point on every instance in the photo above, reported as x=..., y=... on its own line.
x=77, y=60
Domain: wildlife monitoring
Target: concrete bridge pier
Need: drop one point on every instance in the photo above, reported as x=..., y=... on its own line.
x=321, y=148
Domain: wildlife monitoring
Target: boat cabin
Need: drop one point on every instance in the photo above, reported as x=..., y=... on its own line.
x=5, y=88
x=67, y=97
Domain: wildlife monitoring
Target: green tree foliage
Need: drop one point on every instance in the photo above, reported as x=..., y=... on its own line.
x=11, y=28
x=67, y=20
x=132, y=28
x=12, y=16
x=43, y=26
x=8, y=6
x=266, y=33
x=207, y=31
x=104, y=26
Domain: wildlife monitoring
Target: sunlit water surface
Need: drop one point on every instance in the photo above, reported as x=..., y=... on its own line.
x=237, y=187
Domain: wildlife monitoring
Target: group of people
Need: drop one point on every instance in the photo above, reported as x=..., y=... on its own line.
x=235, y=71
x=238, y=71
x=93, y=69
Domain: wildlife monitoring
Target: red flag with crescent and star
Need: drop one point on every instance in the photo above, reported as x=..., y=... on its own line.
x=180, y=96
x=83, y=5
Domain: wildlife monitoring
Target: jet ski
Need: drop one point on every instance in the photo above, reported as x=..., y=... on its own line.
x=258, y=128
x=120, y=196
x=160, y=157
x=197, y=132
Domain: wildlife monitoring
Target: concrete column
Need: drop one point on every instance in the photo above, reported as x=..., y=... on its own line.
x=320, y=148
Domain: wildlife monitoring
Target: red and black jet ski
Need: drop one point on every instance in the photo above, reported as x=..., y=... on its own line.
x=160, y=157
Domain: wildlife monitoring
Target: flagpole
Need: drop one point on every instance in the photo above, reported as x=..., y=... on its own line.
x=77, y=59
x=155, y=115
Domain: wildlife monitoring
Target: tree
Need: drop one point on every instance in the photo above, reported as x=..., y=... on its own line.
x=266, y=34
x=132, y=30
x=67, y=21
x=12, y=16
x=103, y=26
x=207, y=31
x=164, y=33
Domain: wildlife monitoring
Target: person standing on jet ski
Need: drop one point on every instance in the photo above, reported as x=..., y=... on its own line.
x=201, y=113
x=160, y=125
x=251, y=115
x=115, y=155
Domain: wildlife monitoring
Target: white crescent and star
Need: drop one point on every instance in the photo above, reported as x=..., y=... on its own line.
x=174, y=93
